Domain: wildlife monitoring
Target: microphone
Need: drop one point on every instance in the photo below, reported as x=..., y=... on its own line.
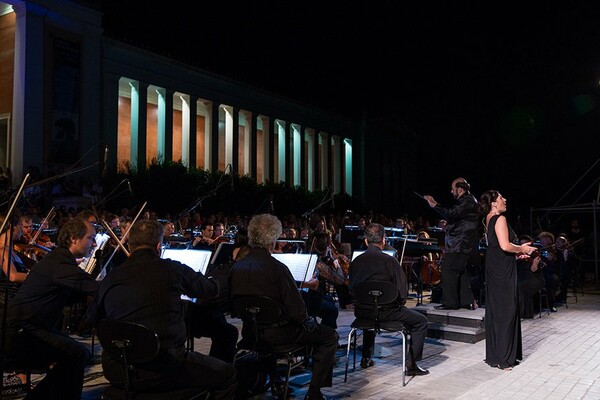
x=230, y=177
x=129, y=187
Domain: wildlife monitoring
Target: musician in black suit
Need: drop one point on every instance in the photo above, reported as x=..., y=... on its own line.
x=32, y=336
x=147, y=289
x=374, y=265
x=259, y=274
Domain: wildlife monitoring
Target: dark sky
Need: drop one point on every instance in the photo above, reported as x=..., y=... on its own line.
x=507, y=94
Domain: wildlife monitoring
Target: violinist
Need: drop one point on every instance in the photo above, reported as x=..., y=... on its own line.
x=10, y=259
x=30, y=250
x=530, y=279
x=18, y=270
x=205, y=239
x=550, y=266
x=569, y=265
x=327, y=272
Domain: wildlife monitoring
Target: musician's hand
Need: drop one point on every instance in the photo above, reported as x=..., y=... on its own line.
x=312, y=284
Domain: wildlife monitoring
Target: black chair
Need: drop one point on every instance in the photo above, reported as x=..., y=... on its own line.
x=258, y=313
x=134, y=343
x=376, y=295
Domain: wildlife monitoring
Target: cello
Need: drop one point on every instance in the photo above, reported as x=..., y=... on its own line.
x=431, y=273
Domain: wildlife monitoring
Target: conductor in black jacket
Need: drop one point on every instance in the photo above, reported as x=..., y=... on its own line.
x=375, y=265
x=461, y=245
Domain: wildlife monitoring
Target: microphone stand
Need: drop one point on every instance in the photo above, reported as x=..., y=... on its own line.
x=5, y=294
x=326, y=199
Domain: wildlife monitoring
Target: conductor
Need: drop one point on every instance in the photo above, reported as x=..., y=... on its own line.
x=461, y=242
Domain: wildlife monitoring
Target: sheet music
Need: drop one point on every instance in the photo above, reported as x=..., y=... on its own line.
x=101, y=240
x=302, y=266
x=195, y=259
x=357, y=253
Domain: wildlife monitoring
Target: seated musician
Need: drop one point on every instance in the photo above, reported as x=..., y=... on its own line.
x=569, y=264
x=328, y=271
x=32, y=336
x=147, y=282
x=551, y=266
x=207, y=318
x=374, y=265
x=259, y=274
x=530, y=279
x=18, y=269
x=205, y=240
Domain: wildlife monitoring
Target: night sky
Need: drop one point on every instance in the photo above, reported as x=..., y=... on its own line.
x=506, y=95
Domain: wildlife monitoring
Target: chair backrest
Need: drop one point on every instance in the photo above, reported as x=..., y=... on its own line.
x=376, y=293
x=262, y=310
x=136, y=343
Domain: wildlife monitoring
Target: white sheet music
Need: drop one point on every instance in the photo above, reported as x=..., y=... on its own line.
x=302, y=266
x=195, y=259
x=359, y=252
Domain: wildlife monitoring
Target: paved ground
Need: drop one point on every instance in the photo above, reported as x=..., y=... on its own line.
x=561, y=361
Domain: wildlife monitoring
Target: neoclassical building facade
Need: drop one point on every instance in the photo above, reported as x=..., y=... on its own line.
x=73, y=98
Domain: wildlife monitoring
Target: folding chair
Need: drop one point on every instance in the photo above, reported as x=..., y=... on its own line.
x=375, y=294
x=133, y=343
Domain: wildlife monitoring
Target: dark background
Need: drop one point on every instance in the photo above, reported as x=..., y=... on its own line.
x=506, y=95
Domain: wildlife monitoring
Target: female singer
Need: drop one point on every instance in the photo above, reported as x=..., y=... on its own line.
x=503, y=346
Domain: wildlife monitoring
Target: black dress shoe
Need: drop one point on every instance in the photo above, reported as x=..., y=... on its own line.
x=366, y=363
x=416, y=370
x=443, y=307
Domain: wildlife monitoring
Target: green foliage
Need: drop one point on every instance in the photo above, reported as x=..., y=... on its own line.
x=171, y=188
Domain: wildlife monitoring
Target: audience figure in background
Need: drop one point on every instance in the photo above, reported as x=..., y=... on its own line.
x=147, y=282
x=36, y=309
x=461, y=245
x=530, y=279
x=374, y=265
x=259, y=274
x=550, y=266
x=503, y=345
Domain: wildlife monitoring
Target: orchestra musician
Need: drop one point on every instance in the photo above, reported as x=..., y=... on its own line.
x=259, y=274
x=146, y=282
x=205, y=240
x=551, y=266
x=33, y=336
x=569, y=265
x=530, y=279
x=327, y=272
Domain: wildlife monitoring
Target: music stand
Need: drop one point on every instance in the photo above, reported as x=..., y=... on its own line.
x=223, y=254
x=302, y=266
x=195, y=259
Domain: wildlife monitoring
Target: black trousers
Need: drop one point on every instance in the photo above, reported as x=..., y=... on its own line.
x=37, y=348
x=414, y=321
x=177, y=369
x=455, y=280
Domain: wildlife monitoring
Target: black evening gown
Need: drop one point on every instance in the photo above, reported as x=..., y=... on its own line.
x=503, y=346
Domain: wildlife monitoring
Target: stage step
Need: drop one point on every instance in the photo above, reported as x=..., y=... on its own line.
x=466, y=326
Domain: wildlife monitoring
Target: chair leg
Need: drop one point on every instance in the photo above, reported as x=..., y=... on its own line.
x=351, y=335
x=403, y=358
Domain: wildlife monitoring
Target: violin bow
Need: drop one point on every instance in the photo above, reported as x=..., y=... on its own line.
x=45, y=221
